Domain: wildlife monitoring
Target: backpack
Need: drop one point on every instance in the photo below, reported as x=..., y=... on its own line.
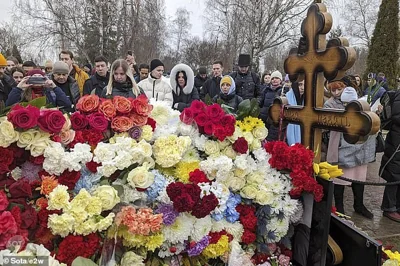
x=387, y=100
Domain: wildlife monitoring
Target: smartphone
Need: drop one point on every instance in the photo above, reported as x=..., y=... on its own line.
x=36, y=80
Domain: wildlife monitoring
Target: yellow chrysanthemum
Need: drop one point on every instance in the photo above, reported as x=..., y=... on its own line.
x=393, y=255
x=149, y=242
x=218, y=249
x=183, y=169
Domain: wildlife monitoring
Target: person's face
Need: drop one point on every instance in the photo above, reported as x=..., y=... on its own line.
x=144, y=73
x=336, y=93
x=60, y=78
x=101, y=68
x=267, y=79
x=371, y=82
x=2, y=69
x=225, y=88
x=48, y=70
x=27, y=68
x=10, y=64
x=66, y=59
x=288, y=84
x=181, y=80
x=158, y=72
x=243, y=69
x=276, y=81
x=130, y=59
x=17, y=76
x=301, y=87
x=358, y=81
x=203, y=76
x=119, y=75
x=217, y=70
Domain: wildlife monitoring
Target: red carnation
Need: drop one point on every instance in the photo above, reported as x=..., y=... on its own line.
x=175, y=189
x=29, y=218
x=16, y=213
x=248, y=237
x=6, y=159
x=69, y=179
x=241, y=145
x=3, y=200
x=198, y=176
x=21, y=189
x=92, y=137
x=194, y=191
x=78, y=139
x=72, y=247
x=37, y=160
x=151, y=122
x=23, y=117
x=92, y=166
x=205, y=206
x=78, y=121
x=183, y=203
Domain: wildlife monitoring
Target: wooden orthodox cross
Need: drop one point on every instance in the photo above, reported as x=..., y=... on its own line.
x=315, y=60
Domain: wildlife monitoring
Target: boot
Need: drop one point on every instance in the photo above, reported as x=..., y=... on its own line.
x=358, y=192
x=338, y=192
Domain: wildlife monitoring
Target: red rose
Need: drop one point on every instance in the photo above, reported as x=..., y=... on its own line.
x=151, y=122
x=227, y=120
x=23, y=117
x=92, y=137
x=79, y=121
x=241, y=145
x=3, y=200
x=141, y=105
x=98, y=122
x=29, y=218
x=248, y=237
x=214, y=112
x=183, y=203
x=220, y=132
x=69, y=179
x=198, y=176
x=175, y=189
x=187, y=116
x=51, y=121
x=198, y=106
x=20, y=189
x=8, y=228
x=92, y=166
x=201, y=119
x=209, y=128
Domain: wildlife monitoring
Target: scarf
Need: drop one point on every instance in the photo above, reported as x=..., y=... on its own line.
x=125, y=86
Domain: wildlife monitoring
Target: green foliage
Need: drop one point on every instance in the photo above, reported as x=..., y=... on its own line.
x=384, y=48
x=248, y=108
x=81, y=261
x=208, y=100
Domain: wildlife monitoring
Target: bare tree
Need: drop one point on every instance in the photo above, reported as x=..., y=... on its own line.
x=180, y=30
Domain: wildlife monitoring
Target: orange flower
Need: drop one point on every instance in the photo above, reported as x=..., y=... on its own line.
x=42, y=203
x=121, y=123
x=138, y=120
x=141, y=105
x=107, y=108
x=88, y=103
x=48, y=184
x=122, y=104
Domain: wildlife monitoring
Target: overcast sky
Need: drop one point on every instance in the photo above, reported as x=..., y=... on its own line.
x=195, y=8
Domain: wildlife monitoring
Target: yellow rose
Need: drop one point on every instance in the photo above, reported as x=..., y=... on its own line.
x=108, y=196
x=260, y=133
x=147, y=133
x=58, y=198
x=230, y=152
x=87, y=227
x=249, y=192
x=236, y=183
x=256, y=144
x=7, y=134
x=26, y=138
x=61, y=224
x=264, y=197
x=94, y=207
x=140, y=177
x=211, y=147
x=255, y=177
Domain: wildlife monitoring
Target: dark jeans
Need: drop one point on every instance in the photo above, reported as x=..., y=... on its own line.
x=391, y=199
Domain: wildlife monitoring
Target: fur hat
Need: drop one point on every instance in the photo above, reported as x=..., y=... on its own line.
x=60, y=67
x=226, y=79
x=202, y=70
x=3, y=61
x=155, y=63
x=276, y=74
x=349, y=94
x=244, y=60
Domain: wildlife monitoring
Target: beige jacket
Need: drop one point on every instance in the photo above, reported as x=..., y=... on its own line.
x=157, y=89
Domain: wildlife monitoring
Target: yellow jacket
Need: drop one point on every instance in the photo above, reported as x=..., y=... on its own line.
x=80, y=76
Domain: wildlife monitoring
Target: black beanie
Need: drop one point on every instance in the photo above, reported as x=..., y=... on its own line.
x=202, y=70
x=155, y=63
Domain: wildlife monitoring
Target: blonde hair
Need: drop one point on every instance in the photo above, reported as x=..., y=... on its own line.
x=125, y=67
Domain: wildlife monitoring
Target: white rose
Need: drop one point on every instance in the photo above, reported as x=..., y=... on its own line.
x=7, y=134
x=140, y=177
x=260, y=133
x=256, y=144
x=236, y=183
x=248, y=136
x=26, y=138
x=108, y=195
x=229, y=152
x=211, y=147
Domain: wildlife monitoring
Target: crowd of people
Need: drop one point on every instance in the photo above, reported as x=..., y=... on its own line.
x=64, y=82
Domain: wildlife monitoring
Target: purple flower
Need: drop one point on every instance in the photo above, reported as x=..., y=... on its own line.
x=169, y=213
x=30, y=171
x=135, y=133
x=197, y=248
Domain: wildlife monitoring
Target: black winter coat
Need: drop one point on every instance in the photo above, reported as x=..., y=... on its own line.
x=6, y=84
x=95, y=83
x=210, y=87
x=392, y=170
x=183, y=97
x=199, y=82
x=121, y=89
x=232, y=100
x=268, y=98
x=248, y=85
x=183, y=100
x=70, y=88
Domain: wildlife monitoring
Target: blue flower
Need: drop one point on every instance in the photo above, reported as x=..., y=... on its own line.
x=159, y=183
x=230, y=213
x=87, y=180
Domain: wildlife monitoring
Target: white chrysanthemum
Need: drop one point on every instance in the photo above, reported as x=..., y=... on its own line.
x=200, y=142
x=160, y=112
x=237, y=256
x=298, y=213
x=241, y=162
x=165, y=249
x=104, y=152
x=235, y=229
x=201, y=228
x=180, y=230
x=191, y=155
x=107, y=169
x=217, y=167
x=187, y=130
x=261, y=155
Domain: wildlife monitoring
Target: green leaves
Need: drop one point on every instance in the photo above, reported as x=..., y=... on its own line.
x=248, y=108
x=81, y=261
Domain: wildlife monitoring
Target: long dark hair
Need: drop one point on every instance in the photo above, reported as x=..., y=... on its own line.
x=263, y=76
x=184, y=77
x=299, y=97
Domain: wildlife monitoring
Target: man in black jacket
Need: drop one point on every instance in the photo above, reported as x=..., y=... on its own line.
x=62, y=80
x=97, y=82
x=211, y=86
x=200, y=78
x=248, y=84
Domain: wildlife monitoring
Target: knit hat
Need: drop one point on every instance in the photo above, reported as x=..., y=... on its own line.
x=48, y=64
x=276, y=74
x=226, y=79
x=202, y=70
x=3, y=61
x=349, y=94
x=155, y=63
x=35, y=71
x=244, y=60
x=60, y=67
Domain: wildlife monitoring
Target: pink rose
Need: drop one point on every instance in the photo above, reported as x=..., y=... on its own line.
x=51, y=121
x=98, y=122
x=67, y=136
